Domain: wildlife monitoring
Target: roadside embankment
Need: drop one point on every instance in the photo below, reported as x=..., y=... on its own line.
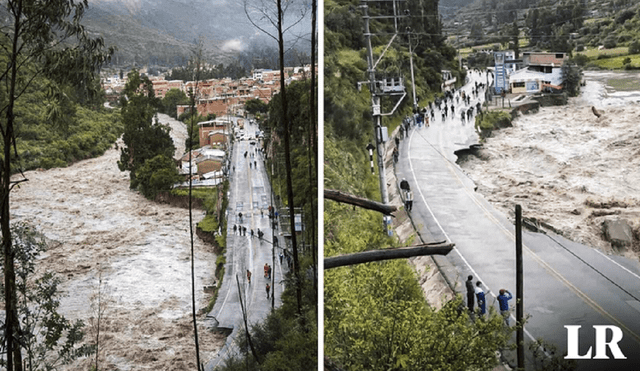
x=436, y=275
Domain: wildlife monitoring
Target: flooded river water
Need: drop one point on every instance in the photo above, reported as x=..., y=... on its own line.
x=567, y=167
x=98, y=226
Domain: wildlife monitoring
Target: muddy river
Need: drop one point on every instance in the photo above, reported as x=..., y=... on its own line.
x=98, y=227
x=567, y=167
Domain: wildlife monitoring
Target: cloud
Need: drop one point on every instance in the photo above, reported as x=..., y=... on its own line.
x=233, y=45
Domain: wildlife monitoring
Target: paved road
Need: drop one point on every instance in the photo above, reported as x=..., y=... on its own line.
x=565, y=283
x=249, y=194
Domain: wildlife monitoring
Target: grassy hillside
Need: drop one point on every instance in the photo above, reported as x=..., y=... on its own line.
x=597, y=33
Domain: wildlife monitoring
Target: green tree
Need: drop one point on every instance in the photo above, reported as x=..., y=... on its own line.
x=193, y=130
x=254, y=106
x=376, y=317
x=143, y=138
x=533, y=20
x=172, y=99
x=477, y=33
x=515, y=35
x=157, y=174
x=49, y=339
x=571, y=79
x=50, y=35
x=634, y=47
x=625, y=16
x=610, y=42
x=546, y=357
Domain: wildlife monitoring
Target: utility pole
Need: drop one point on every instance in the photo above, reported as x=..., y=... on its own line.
x=519, y=290
x=379, y=89
x=413, y=82
x=375, y=103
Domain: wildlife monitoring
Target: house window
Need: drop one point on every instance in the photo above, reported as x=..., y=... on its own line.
x=518, y=84
x=559, y=56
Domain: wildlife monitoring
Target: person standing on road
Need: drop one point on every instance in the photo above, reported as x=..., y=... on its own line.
x=503, y=300
x=470, y=292
x=268, y=287
x=408, y=202
x=482, y=304
x=235, y=228
x=275, y=241
x=244, y=231
x=252, y=233
x=281, y=256
x=266, y=269
x=249, y=276
x=404, y=185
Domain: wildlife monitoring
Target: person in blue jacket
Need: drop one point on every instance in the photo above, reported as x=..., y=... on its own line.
x=482, y=304
x=503, y=300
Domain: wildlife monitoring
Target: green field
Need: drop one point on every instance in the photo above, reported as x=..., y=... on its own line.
x=594, y=52
x=616, y=62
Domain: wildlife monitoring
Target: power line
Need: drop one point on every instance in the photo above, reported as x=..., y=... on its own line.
x=589, y=265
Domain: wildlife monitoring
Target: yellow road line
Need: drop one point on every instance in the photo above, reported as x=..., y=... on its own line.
x=593, y=304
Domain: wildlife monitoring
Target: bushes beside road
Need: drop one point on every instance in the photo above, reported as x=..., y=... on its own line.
x=492, y=120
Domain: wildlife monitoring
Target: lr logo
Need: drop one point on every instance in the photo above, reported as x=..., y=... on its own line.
x=601, y=343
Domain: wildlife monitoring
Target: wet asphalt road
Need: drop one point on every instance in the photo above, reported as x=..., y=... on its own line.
x=565, y=283
x=249, y=194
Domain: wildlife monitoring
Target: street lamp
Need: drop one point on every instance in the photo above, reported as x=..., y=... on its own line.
x=371, y=147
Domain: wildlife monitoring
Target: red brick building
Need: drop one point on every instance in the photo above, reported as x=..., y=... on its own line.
x=212, y=132
x=161, y=87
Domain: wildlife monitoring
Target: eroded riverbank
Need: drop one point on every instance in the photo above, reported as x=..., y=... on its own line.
x=567, y=167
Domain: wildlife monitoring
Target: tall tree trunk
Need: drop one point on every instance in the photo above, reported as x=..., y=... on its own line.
x=287, y=160
x=313, y=150
x=193, y=283
x=12, y=325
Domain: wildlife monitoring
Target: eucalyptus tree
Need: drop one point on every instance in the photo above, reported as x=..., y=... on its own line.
x=38, y=38
x=144, y=139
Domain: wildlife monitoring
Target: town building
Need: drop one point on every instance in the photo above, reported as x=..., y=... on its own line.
x=161, y=87
x=541, y=71
x=214, y=133
x=207, y=166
